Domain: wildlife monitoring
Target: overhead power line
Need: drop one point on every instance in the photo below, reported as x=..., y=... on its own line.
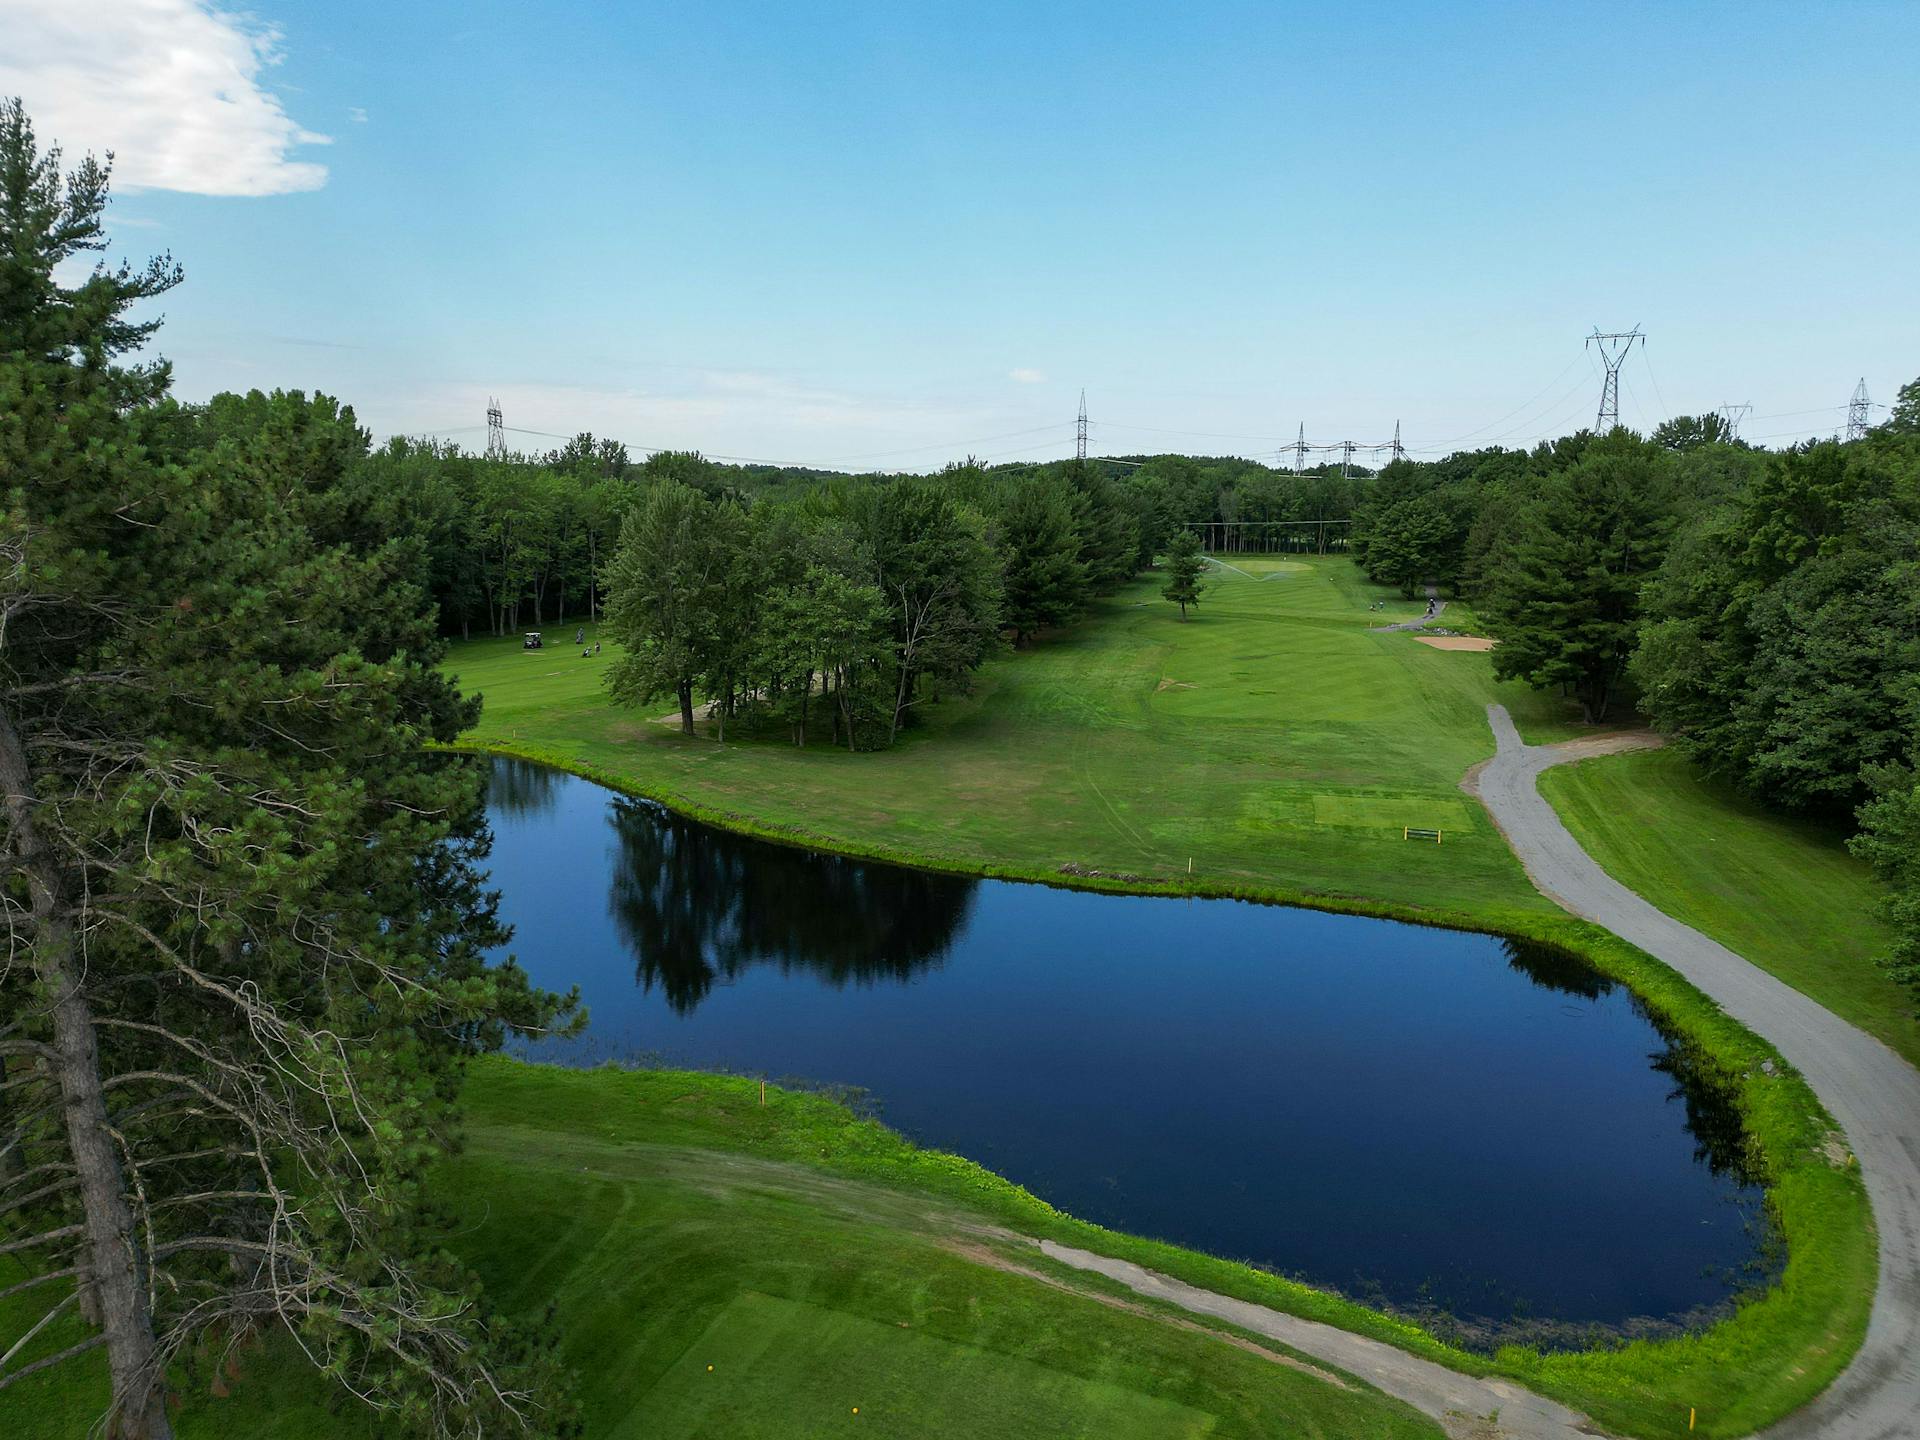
x=1611, y=349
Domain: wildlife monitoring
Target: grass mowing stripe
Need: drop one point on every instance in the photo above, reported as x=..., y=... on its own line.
x=776, y=1368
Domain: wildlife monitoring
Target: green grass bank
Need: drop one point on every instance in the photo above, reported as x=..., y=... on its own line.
x=1279, y=744
x=1783, y=893
x=724, y=1268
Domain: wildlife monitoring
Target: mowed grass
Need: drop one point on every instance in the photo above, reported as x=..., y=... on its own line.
x=1271, y=741
x=1281, y=745
x=1784, y=893
x=783, y=1367
x=668, y=1221
x=665, y=1214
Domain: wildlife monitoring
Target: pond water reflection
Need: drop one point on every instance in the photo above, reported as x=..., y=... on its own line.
x=1422, y=1118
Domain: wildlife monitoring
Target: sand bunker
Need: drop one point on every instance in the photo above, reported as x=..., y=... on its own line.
x=1456, y=642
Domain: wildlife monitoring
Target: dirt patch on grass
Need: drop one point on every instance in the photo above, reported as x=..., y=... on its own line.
x=983, y=1255
x=1457, y=642
x=1169, y=683
x=1589, y=747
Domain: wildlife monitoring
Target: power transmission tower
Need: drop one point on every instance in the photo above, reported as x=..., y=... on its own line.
x=1346, y=458
x=1613, y=350
x=496, y=431
x=1399, y=450
x=1859, y=412
x=1080, y=446
x=1300, y=451
x=1733, y=415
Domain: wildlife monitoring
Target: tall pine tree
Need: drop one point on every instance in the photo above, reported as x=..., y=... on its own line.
x=1566, y=606
x=246, y=920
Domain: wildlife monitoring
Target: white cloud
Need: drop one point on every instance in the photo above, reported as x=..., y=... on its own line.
x=1026, y=376
x=357, y=114
x=172, y=87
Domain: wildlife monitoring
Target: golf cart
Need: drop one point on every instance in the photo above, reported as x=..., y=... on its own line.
x=532, y=641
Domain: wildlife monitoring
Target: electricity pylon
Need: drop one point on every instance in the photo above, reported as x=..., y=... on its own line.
x=496, y=432
x=1613, y=349
x=1859, y=410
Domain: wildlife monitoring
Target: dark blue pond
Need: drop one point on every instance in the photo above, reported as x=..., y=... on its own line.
x=1430, y=1120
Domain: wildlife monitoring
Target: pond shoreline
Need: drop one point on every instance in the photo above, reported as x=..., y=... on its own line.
x=1811, y=1321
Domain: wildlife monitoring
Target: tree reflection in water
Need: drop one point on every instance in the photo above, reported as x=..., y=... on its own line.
x=697, y=906
x=520, y=787
x=1708, y=1092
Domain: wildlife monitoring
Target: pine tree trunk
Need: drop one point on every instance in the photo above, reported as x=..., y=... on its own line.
x=111, y=1256
x=686, y=707
x=12, y=1160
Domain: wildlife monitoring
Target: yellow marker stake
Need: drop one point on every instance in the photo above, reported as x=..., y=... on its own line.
x=1690, y=1415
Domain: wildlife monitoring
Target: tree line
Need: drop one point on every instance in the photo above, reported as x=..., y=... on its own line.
x=1762, y=608
x=524, y=541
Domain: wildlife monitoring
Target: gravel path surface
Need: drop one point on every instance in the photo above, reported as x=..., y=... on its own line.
x=1872, y=1092
x=1463, y=1405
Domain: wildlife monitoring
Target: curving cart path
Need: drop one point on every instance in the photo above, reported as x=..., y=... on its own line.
x=1872, y=1092
x=1465, y=1406
x=1439, y=606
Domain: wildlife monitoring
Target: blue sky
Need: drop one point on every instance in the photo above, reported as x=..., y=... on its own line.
x=840, y=233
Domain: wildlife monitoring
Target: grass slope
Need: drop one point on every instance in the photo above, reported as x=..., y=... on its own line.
x=1281, y=745
x=1271, y=741
x=667, y=1218
x=1783, y=893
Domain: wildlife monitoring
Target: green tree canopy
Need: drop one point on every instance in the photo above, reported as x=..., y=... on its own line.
x=1046, y=580
x=1185, y=565
x=1566, y=606
x=667, y=589
x=251, y=924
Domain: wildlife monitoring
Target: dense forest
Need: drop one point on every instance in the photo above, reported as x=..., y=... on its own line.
x=1760, y=607
x=522, y=541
